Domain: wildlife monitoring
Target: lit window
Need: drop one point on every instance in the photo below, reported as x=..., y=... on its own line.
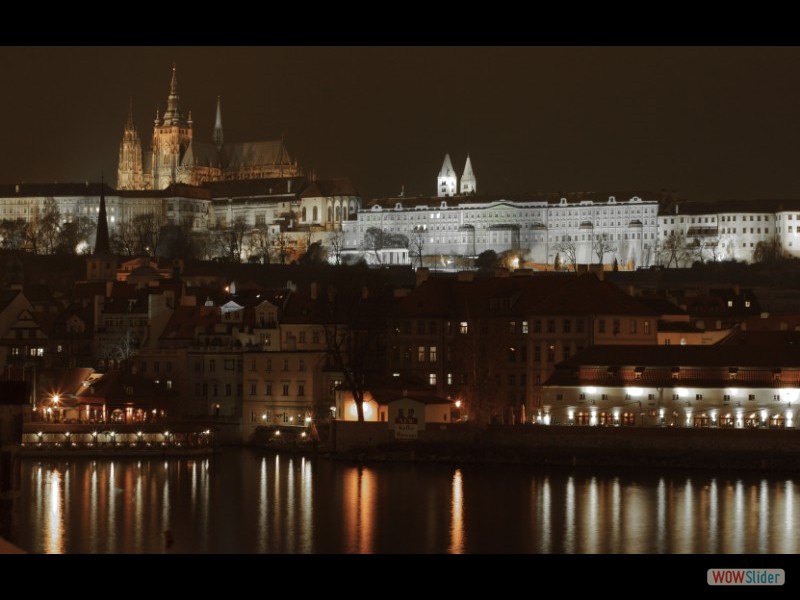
x=463, y=327
x=432, y=354
x=432, y=379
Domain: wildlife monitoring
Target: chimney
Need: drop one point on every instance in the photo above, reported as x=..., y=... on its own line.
x=423, y=273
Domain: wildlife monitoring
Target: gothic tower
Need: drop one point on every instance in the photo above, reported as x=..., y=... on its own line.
x=446, y=182
x=130, y=175
x=218, y=126
x=171, y=137
x=468, y=183
x=101, y=265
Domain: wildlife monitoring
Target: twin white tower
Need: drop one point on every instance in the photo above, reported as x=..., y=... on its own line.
x=447, y=182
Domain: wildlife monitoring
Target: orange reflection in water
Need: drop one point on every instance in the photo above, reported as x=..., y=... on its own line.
x=359, y=512
x=54, y=513
x=457, y=514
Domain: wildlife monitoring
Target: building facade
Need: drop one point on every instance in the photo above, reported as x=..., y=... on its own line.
x=675, y=386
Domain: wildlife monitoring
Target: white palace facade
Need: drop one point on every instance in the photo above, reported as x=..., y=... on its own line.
x=634, y=229
x=538, y=226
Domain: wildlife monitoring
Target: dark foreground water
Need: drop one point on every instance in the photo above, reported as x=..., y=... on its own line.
x=245, y=502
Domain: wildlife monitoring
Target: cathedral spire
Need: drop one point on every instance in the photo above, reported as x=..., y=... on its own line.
x=468, y=182
x=129, y=122
x=173, y=85
x=446, y=182
x=101, y=243
x=218, y=124
x=173, y=115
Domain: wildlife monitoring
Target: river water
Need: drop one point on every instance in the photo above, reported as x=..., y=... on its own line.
x=244, y=502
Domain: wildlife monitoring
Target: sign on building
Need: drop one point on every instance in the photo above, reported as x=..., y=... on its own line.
x=406, y=425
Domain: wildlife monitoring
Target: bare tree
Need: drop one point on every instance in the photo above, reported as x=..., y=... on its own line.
x=260, y=243
x=115, y=349
x=417, y=245
x=281, y=244
x=13, y=233
x=479, y=363
x=355, y=323
x=570, y=251
x=74, y=234
x=43, y=228
x=138, y=236
x=376, y=240
x=768, y=251
x=673, y=250
x=336, y=243
x=238, y=230
x=601, y=246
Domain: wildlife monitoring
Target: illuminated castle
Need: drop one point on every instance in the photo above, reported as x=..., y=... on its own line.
x=176, y=157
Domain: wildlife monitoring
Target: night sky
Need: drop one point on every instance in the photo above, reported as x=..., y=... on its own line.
x=708, y=122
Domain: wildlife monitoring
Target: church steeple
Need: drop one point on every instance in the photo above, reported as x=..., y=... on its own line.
x=218, y=125
x=101, y=265
x=469, y=185
x=173, y=115
x=102, y=246
x=446, y=182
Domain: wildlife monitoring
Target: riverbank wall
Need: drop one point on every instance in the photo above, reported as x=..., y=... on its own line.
x=734, y=449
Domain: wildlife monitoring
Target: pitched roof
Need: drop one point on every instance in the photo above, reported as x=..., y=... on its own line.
x=184, y=320
x=341, y=186
x=538, y=294
x=693, y=207
x=686, y=356
x=551, y=198
x=274, y=186
x=247, y=154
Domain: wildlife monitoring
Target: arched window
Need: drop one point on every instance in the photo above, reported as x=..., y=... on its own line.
x=330, y=214
x=304, y=213
x=344, y=213
x=338, y=214
x=316, y=214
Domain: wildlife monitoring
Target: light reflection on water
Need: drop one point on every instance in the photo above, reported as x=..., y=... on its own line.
x=243, y=502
